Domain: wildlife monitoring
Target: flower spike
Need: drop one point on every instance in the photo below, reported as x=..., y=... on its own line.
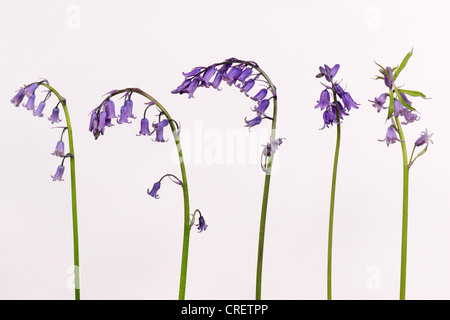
x=401, y=107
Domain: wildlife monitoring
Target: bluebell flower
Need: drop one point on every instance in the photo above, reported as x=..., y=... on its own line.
x=329, y=117
x=217, y=80
x=262, y=107
x=145, y=128
x=102, y=117
x=182, y=87
x=328, y=72
x=159, y=129
x=59, y=173
x=378, y=103
x=409, y=116
x=18, y=97
x=247, y=86
x=207, y=75
x=260, y=95
x=39, y=109
x=29, y=90
x=399, y=109
x=157, y=185
x=155, y=189
x=269, y=149
x=129, y=108
x=123, y=116
x=59, y=150
x=110, y=109
x=324, y=100
x=247, y=72
x=388, y=76
x=54, y=118
x=30, y=105
x=391, y=136
x=194, y=72
x=423, y=139
x=253, y=122
x=201, y=226
x=349, y=103
x=232, y=75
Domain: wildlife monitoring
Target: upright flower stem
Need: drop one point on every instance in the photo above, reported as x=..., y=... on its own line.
x=187, y=229
x=332, y=200
x=73, y=190
x=405, y=211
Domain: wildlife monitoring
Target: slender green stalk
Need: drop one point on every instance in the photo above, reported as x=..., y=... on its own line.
x=265, y=199
x=73, y=190
x=187, y=229
x=332, y=200
x=405, y=211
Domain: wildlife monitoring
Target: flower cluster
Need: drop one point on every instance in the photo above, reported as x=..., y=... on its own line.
x=29, y=92
x=400, y=107
x=334, y=110
x=103, y=115
x=242, y=74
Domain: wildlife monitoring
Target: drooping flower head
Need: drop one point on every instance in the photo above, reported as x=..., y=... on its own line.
x=31, y=92
x=333, y=109
x=102, y=115
x=245, y=75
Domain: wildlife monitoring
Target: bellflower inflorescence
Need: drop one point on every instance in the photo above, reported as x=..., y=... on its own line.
x=333, y=109
x=102, y=116
x=29, y=91
x=399, y=105
x=245, y=75
x=234, y=72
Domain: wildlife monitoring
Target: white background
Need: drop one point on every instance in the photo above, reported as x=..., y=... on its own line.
x=130, y=243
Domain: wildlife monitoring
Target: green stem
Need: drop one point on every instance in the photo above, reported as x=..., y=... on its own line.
x=187, y=229
x=73, y=190
x=265, y=199
x=332, y=200
x=405, y=211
